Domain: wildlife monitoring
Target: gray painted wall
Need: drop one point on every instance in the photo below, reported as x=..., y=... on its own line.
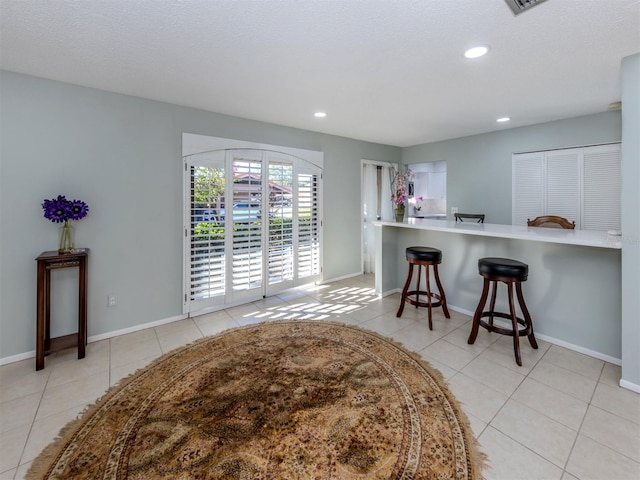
x=479, y=167
x=631, y=220
x=122, y=155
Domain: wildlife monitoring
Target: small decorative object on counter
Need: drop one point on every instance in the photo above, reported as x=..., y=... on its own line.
x=417, y=205
x=399, y=193
x=61, y=210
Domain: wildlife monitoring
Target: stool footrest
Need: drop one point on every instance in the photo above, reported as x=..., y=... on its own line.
x=419, y=303
x=502, y=330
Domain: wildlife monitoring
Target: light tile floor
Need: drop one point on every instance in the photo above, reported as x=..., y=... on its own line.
x=561, y=415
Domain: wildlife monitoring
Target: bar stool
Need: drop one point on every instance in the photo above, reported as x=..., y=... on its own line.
x=510, y=272
x=424, y=256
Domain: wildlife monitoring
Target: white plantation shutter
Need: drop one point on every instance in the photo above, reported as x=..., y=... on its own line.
x=602, y=184
x=528, y=185
x=281, y=239
x=563, y=185
x=579, y=184
x=309, y=224
x=244, y=219
x=206, y=232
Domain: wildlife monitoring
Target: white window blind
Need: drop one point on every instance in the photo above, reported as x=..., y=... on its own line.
x=206, y=272
x=528, y=184
x=563, y=185
x=309, y=225
x=244, y=218
x=579, y=184
x=280, y=255
x=602, y=185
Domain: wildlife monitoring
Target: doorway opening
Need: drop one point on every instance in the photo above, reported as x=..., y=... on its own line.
x=376, y=205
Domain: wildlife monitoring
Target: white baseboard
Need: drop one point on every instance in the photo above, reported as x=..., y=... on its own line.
x=630, y=386
x=17, y=358
x=460, y=310
x=579, y=349
x=136, y=328
x=391, y=292
x=343, y=277
x=96, y=338
x=562, y=343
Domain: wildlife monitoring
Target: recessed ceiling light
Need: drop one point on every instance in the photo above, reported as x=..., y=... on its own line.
x=476, y=52
x=319, y=114
x=503, y=119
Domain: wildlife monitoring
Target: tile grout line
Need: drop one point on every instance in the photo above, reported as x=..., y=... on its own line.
x=33, y=421
x=575, y=440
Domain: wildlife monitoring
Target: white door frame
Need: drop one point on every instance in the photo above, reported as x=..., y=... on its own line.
x=197, y=144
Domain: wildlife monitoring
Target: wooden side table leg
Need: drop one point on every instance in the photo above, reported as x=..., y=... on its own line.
x=47, y=309
x=82, y=308
x=40, y=315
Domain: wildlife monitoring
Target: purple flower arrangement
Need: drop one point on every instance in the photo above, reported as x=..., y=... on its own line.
x=61, y=210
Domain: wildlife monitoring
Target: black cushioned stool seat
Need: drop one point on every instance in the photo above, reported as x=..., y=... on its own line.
x=424, y=257
x=511, y=272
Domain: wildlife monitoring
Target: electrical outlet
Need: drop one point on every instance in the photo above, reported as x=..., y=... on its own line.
x=111, y=301
x=454, y=210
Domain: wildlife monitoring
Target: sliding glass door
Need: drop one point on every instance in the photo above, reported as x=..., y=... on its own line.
x=205, y=231
x=252, y=226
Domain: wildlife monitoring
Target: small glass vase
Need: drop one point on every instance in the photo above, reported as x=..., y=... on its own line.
x=399, y=212
x=66, y=238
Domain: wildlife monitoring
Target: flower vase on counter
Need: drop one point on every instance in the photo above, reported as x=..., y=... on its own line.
x=399, y=193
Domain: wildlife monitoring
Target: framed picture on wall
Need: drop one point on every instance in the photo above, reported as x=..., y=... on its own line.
x=410, y=189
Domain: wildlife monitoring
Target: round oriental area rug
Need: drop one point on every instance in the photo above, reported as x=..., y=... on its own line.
x=281, y=400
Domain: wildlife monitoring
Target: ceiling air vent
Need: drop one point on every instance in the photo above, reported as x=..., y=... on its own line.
x=519, y=6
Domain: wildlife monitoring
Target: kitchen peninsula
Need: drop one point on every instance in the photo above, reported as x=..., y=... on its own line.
x=573, y=290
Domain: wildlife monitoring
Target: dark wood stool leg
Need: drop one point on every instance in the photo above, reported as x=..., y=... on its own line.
x=405, y=290
x=443, y=297
x=514, y=322
x=429, y=316
x=527, y=317
x=492, y=304
x=418, y=284
x=478, y=313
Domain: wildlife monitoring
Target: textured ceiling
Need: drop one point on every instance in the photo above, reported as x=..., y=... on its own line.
x=388, y=71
